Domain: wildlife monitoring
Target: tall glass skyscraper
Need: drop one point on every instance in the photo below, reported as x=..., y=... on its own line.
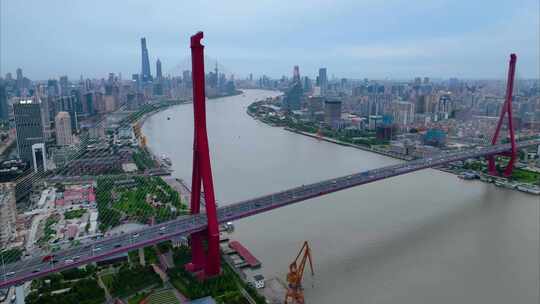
x=29, y=127
x=145, y=70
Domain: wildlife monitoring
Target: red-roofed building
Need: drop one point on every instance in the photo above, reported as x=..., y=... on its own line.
x=80, y=195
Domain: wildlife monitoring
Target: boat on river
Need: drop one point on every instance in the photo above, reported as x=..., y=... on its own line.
x=527, y=188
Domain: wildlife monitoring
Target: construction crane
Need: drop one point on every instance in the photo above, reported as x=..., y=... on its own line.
x=295, y=292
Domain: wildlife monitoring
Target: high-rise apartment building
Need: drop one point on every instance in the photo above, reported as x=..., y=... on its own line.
x=421, y=104
x=332, y=112
x=146, y=76
x=315, y=106
x=403, y=113
x=62, y=123
x=28, y=126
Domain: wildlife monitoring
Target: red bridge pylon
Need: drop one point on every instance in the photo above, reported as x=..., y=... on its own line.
x=206, y=263
x=506, y=109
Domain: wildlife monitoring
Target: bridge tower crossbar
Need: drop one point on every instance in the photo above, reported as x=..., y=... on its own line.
x=506, y=109
x=206, y=263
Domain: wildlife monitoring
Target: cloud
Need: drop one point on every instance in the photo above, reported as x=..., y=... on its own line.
x=353, y=38
x=381, y=51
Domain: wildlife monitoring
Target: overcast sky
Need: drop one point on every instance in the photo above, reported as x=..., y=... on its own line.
x=356, y=38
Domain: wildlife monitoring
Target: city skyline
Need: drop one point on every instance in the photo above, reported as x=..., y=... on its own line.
x=96, y=194
x=441, y=39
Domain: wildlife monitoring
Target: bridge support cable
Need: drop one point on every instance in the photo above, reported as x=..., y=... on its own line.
x=506, y=109
x=204, y=262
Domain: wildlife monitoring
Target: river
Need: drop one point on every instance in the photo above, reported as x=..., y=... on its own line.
x=426, y=237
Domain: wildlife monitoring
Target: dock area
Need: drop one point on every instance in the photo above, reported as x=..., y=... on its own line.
x=249, y=259
x=274, y=291
x=236, y=255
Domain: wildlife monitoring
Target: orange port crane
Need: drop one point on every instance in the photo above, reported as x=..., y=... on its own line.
x=295, y=292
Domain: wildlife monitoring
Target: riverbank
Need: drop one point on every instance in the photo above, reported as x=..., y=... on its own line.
x=529, y=188
x=333, y=140
x=236, y=92
x=141, y=119
x=164, y=106
x=342, y=143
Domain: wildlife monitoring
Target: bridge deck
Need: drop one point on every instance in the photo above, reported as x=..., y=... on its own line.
x=15, y=273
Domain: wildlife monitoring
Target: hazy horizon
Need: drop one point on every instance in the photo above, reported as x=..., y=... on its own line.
x=354, y=39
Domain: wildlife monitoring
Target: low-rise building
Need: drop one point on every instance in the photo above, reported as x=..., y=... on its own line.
x=76, y=195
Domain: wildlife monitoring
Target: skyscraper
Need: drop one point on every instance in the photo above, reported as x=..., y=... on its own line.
x=323, y=81
x=88, y=103
x=315, y=105
x=68, y=103
x=28, y=126
x=332, y=112
x=296, y=73
x=52, y=87
x=158, y=70
x=307, y=83
x=62, y=123
x=293, y=97
x=64, y=85
x=158, y=84
x=146, y=76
